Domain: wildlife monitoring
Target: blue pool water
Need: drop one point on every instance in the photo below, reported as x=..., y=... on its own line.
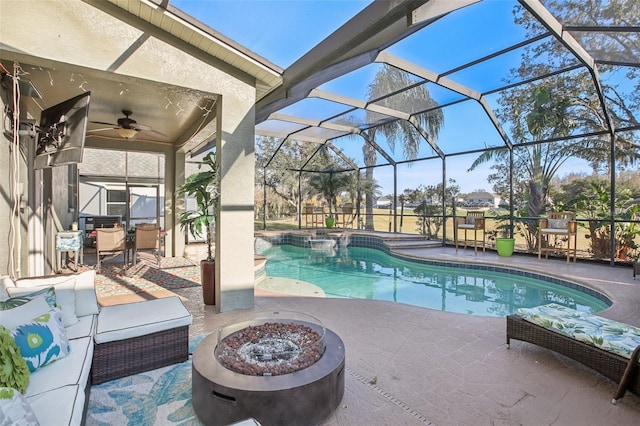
x=363, y=273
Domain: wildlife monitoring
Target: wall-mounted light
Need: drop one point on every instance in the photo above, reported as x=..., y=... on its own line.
x=126, y=133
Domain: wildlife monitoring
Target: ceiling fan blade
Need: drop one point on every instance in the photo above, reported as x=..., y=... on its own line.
x=104, y=123
x=137, y=126
x=101, y=130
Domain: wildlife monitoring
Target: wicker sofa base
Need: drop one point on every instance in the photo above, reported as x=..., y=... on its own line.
x=621, y=370
x=120, y=358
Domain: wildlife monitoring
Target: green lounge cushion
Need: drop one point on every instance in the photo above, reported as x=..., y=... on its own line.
x=606, y=334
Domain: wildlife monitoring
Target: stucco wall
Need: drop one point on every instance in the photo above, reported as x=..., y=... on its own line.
x=78, y=33
x=13, y=241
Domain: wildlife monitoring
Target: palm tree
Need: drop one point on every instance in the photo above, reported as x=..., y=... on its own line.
x=328, y=184
x=386, y=81
x=536, y=165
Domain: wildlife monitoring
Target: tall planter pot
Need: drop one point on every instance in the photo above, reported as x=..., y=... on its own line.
x=505, y=246
x=208, y=281
x=329, y=222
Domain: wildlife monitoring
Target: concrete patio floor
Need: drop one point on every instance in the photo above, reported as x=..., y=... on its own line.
x=407, y=365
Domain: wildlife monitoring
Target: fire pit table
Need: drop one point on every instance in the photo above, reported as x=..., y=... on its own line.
x=280, y=368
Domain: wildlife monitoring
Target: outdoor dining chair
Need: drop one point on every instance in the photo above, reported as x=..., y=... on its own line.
x=560, y=225
x=473, y=221
x=147, y=238
x=309, y=217
x=110, y=241
x=344, y=216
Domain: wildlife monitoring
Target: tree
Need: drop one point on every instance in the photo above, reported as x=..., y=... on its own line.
x=542, y=116
x=430, y=216
x=328, y=184
x=388, y=80
x=564, y=104
x=280, y=177
x=591, y=199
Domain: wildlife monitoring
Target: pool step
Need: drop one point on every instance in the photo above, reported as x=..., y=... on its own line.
x=411, y=243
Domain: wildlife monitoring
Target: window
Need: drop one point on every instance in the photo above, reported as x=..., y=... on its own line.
x=117, y=202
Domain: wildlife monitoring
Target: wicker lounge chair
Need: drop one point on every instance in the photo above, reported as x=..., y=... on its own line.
x=623, y=371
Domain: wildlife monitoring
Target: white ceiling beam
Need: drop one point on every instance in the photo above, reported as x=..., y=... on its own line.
x=388, y=58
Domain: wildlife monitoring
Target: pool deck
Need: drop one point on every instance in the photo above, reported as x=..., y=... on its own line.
x=407, y=365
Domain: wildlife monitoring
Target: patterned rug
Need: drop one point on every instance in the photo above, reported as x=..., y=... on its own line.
x=157, y=397
x=144, y=281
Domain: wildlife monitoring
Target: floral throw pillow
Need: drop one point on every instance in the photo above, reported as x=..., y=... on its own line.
x=43, y=340
x=14, y=372
x=14, y=409
x=49, y=295
x=11, y=318
x=65, y=297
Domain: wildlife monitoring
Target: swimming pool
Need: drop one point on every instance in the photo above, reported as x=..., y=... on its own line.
x=364, y=273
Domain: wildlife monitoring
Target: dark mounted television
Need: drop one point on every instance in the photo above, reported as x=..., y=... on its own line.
x=61, y=133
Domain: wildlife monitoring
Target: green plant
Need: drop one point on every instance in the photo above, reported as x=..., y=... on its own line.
x=14, y=372
x=203, y=186
x=502, y=228
x=328, y=184
x=594, y=204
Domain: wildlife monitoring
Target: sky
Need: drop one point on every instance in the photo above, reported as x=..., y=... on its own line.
x=283, y=31
x=262, y=25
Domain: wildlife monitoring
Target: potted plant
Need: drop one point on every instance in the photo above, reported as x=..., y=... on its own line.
x=329, y=221
x=203, y=186
x=505, y=246
x=504, y=243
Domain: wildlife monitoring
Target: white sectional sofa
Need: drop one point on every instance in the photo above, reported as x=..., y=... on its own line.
x=119, y=336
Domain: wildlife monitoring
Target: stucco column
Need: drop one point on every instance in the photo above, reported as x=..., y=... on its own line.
x=234, y=227
x=176, y=168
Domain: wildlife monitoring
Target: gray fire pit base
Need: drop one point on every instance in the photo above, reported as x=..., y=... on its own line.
x=221, y=396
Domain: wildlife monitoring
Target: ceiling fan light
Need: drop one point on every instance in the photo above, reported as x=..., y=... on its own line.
x=127, y=133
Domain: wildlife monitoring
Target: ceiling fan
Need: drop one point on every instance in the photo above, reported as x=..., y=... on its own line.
x=127, y=127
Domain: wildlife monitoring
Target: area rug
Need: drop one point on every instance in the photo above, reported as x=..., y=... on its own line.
x=116, y=285
x=157, y=397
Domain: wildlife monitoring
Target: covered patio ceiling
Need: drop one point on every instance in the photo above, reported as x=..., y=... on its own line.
x=466, y=53
x=119, y=78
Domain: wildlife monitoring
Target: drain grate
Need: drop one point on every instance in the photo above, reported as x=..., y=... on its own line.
x=389, y=397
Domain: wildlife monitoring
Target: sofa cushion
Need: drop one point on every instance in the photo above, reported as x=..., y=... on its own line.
x=14, y=372
x=120, y=322
x=15, y=409
x=85, y=327
x=74, y=369
x=86, y=302
x=11, y=318
x=558, y=223
x=61, y=406
x=86, y=299
x=5, y=283
x=42, y=340
x=65, y=292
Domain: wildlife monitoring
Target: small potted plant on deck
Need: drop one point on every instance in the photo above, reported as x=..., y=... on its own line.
x=203, y=186
x=505, y=244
